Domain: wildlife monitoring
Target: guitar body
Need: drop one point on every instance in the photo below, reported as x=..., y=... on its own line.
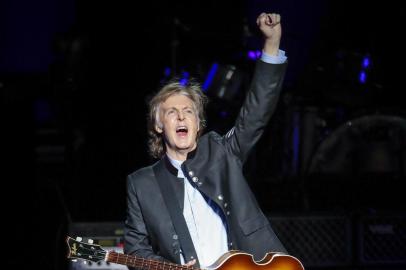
x=237, y=260
x=232, y=260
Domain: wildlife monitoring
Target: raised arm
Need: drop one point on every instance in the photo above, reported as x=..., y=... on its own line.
x=262, y=97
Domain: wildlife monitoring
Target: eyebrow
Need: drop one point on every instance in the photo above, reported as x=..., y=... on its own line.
x=174, y=108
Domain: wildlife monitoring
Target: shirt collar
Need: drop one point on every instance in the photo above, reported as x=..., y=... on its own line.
x=177, y=164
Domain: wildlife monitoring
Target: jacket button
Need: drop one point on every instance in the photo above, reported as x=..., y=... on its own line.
x=195, y=179
x=175, y=237
x=225, y=205
x=191, y=173
x=220, y=197
x=228, y=213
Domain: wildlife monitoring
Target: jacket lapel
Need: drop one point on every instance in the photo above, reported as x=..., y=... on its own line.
x=165, y=171
x=166, y=179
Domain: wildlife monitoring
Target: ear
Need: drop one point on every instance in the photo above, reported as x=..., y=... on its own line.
x=158, y=128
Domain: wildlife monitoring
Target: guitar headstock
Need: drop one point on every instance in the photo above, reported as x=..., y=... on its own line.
x=86, y=251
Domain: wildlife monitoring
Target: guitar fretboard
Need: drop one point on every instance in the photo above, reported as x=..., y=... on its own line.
x=146, y=264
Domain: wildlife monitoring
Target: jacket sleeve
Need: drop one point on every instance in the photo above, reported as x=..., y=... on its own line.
x=260, y=103
x=136, y=238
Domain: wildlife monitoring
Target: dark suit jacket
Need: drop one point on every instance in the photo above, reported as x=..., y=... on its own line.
x=216, y=169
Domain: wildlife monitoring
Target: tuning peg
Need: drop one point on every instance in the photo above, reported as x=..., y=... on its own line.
x=78, y=238
x=90, y=241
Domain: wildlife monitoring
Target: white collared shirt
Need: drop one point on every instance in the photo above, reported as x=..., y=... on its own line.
x=279, y=59
x=206, y=227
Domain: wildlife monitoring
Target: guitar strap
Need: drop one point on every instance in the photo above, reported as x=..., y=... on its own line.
x=176, y=213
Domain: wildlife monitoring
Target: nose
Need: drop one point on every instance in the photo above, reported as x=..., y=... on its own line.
x=181, y=116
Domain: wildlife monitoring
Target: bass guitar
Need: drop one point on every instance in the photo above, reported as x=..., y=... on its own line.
x=231, y=260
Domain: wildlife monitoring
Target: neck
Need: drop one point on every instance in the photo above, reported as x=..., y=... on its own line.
x=177, y=155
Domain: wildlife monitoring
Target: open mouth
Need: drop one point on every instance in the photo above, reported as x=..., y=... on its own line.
x=181, y=130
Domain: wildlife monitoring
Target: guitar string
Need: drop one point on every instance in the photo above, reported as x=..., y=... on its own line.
x=136, y=262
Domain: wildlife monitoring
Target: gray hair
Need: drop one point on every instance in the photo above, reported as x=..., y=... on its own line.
x=191, y=90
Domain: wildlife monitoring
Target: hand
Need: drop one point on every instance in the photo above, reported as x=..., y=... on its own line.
x=190, y=263
x=270, y=26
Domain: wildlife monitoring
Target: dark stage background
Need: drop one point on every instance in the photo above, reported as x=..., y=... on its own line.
x=329, y=171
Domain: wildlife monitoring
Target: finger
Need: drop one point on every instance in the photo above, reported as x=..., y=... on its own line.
x=192, y=262
x=274, y=19
x=268, y=19
x=260, y=18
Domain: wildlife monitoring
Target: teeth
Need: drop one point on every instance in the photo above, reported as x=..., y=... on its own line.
x=181, y=128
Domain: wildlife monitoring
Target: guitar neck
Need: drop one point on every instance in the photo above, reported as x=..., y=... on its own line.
x=141, y=263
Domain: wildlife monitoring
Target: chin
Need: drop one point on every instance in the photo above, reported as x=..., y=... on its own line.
x=184, y=147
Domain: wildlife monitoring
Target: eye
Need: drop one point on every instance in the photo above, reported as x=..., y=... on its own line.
x=189, y=111
x=170, y=112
